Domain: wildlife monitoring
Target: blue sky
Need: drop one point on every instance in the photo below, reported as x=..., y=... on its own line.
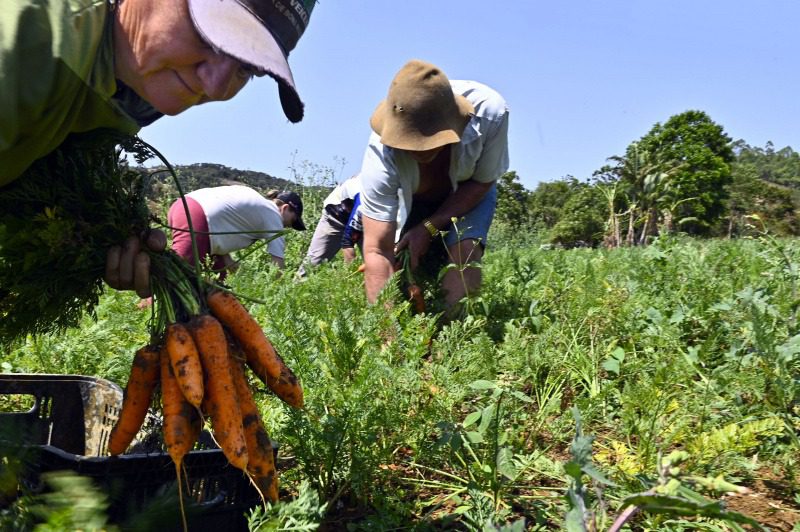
x=582, y=79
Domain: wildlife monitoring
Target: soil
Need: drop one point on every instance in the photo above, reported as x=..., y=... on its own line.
x=771, y=502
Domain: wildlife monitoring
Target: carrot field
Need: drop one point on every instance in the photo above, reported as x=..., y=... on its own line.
x=645, y=388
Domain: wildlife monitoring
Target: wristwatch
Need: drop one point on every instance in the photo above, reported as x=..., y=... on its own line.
x=431, y=228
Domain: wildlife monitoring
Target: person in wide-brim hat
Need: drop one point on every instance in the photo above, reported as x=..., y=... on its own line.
x=421, y=111
x=438, y=148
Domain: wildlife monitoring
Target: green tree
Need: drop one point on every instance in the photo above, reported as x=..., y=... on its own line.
x=643, y=177
x=512, y=201
x=546, y=203
x=764, y=184
x=781, y=167
x=692, y=155
x=583, y=218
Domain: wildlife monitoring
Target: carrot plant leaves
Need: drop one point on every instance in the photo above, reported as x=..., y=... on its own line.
x=57, y=222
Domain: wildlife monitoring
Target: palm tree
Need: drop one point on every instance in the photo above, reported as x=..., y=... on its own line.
x=648, y=183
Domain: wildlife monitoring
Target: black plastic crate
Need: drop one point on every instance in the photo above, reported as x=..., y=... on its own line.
x=67, y=428
x=72, y=412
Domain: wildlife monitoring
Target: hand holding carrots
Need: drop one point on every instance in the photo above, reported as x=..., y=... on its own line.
x=128, y=264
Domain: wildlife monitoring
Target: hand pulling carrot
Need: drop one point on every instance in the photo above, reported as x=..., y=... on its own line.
x=143, y=379
x=185, y=362
x=222, y=401
x=417, y=298
x=415, y=294
x=261, y=462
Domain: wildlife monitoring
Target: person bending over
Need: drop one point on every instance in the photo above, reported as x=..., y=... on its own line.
x=230, y=218
x=440, y=145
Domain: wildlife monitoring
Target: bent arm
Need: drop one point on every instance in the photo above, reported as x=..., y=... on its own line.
x=378, y=255
x=460, y=202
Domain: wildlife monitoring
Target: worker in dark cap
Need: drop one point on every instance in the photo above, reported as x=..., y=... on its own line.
x=230, y=218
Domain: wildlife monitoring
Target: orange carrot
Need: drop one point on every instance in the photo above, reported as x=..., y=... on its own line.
x=261, y=462
x=222, y=402
x=179, y=426
x=286, y=387
x=185, y=362
x=138, y=395
x=177, y=412
x=227, y=308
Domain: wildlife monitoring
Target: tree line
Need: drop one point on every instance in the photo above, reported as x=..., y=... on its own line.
x=685, y=175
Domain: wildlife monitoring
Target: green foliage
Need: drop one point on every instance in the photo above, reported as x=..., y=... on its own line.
x=675, y=494
x=765, y=184
x=487, y=474
x=512, y=218
x=100, y=346
x=547, y=201
x=582, y=222
x=701, y=152
x=734, y=438
x=305, y=512
x=73, y=503
x=512, y=199
x=683, y=345
x=56, y=223
x=780, y=167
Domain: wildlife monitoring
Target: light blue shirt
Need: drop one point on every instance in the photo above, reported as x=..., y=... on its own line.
x=389, y=177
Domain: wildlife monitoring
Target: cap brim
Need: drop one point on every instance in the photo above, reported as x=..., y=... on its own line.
x=235, y=30
x=299, y=225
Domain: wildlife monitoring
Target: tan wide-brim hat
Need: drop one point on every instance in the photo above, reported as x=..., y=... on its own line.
x=421, y=111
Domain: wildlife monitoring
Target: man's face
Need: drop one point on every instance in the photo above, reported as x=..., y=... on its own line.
x=160, y=55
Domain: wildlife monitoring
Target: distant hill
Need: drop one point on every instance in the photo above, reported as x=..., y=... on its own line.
x=202, y=175
x=163, y=191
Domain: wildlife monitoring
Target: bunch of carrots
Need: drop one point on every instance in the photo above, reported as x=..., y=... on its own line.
x=73, y=205
x=207, y=340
